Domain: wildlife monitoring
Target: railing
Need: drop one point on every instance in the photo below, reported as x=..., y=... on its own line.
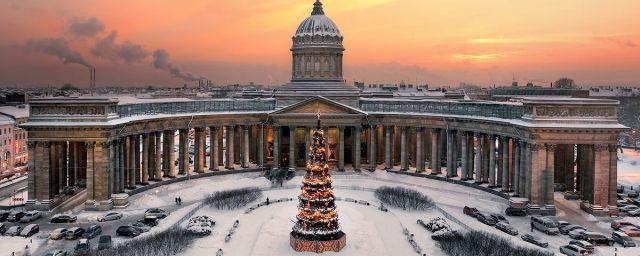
x=485, y=109
x=201, y=106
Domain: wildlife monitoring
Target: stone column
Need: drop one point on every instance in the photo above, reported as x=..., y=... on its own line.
x=372, y=146
x=168, y=157
x=341, y=148
x=516, y=168
x=32, y=185
x=492, y=161
x=403, y=149
x=419, y=150
x=464, y=165
x=245, y=146
x=138, y=160
x=276, y=147
x=527, y=168
x=61, y=149
x=613, y=179
x=601, y=177
x=307, y=142
x=183, y=151
x=158, y=157
x=199, y=150
x=261, y=146
x=538, y=169
x=145, y=159
x=387, y=148
x=478, y=158
x=230, y=147
x=435, y=158
x=522, y=184
x=292, y=148
x=122, y=170
x=42, y=172
x=90, y=170
x=505, y=164
x=357, y=150
x=116, y=164
x=73, y=162
x=132, y=161
x=151, y=160
x=214, y=162
x=451, y=170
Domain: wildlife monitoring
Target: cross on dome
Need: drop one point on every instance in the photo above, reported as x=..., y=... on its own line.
x=317, y=8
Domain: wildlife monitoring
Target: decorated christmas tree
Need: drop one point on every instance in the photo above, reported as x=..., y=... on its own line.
x=317, y=228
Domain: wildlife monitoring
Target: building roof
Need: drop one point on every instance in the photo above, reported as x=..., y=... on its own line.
x=6, y=120
x=15, y=111
x=317, y=24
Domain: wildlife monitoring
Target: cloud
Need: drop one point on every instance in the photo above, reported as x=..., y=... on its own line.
x=162, y=61
x=624, y=43
x=86, y=27
x=108, y=48
x=487, y=57
x=57, y=47
x=392, y=72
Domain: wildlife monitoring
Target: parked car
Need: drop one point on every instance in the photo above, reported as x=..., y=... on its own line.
x=584, y=245
x=545, y=225
x=82, y=247
x=622, y=203
x=513, y=211
x=631, y=231
x=562, y=223
x=150, y=221
x=127, y=231
x=13, y=231
x=628, y=208
x=3, y=228
x=572, y=250
x=141, y=226
x=596, y=238
x=58, y=233
x=485, y=219
x=69, y=190
x=633, y=194
x=4, y=215
x=623, y=239
x=82, y=183
x=15, y=216
x=499, y=218
x=634, y=213
x=505, y=227
x=617, y=224
x=534, y=240
x=577, y=233
x=104, y=242
x=110, y=216
x=620, y=189
x=30, y=230
x=63, y=218
x=92, y=231
x=566, y=229
x=56, y=253
x=156, y=212
x=74, y=233
x=471, y=211
x=30, y=216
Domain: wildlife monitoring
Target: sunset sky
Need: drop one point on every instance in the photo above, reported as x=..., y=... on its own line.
x=439, y=42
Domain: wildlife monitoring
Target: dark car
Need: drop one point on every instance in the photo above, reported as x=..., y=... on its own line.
x=4, y=215
x=82, y=183
x=512, y=211
x=568, y=228
x=499, y=218
x=128, y=231
x=104, y=242
x=82, y=248
x=534, y=240
x=623, y=239
x=484, y=219
x=633, y=194
x=15, y=216
x=584, y=245
x=74, y=233
x=471, y=211
x=3, y=228
x=30, y=230
x=69, y=190
x=596, y=238
x=505, y=227
x=63, y=218
x=92, y=231
x=150, y=221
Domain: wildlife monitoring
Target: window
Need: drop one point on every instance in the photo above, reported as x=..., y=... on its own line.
x=317, y=66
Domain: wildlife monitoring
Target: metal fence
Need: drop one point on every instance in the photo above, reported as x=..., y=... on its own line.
x=225, y=105
x=486, y=109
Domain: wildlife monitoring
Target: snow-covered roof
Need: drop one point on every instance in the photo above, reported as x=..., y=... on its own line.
x=16, y=111
x=317, y=24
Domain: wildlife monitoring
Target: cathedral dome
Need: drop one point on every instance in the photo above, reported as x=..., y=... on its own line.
x=317, y=28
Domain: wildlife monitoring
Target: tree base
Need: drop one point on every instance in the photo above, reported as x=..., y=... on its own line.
x=301, y=245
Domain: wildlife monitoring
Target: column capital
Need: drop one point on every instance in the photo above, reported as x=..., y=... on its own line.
x=536, y=147
x=90, y=144
x=419, y=129
x=505, y=139
x=246, y=127
x=600, y=147
x=613, y=147
x=214, y=128
x=552, y=147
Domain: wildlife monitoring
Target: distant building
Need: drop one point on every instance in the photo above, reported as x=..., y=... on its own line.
x=18, y=136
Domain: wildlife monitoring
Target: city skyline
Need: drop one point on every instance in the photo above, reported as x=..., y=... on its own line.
x=386, y=41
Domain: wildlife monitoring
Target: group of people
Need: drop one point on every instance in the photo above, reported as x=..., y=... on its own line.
x=178, y=201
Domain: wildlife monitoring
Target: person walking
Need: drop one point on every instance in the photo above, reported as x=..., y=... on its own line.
x=179, y=201
x=176, y=199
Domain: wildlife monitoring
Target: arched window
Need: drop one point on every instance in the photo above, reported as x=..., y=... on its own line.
x=317, y=66
x=308, y=65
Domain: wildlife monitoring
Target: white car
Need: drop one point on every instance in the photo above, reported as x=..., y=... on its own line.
x=572, y=250
x=628, y=208
x=30, y=216
x=110, y=216
x=58, y=233
x=13, y=231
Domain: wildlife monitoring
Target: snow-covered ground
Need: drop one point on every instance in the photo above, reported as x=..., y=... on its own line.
x=629, y=168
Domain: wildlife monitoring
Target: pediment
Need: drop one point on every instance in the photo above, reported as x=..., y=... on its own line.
x=318, y=104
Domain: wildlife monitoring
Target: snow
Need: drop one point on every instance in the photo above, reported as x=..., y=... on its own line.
x=20, y=245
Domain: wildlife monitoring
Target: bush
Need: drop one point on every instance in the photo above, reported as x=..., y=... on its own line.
x=403, y=198
x=476, y=243
x=233, y=199
x=166, y=243
x=437, y=224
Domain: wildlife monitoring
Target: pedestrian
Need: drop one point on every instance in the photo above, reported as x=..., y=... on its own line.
x=179, y=201
x=176, y=199
x=531, y=226
x=267, y=201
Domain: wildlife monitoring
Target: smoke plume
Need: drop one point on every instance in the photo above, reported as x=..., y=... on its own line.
x=88, y=27
x=128, y=52
x=161, y=61
x=57, y=47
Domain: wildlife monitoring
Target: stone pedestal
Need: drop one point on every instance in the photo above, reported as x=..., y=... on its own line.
x=120, y=201
x=95, y=205
x=300, y=245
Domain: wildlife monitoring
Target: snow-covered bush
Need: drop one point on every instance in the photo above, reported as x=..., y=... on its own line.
x=476, y=243
x=166, y=243
x=233, y=199
x=201, y=225
x=444, y=233
x=403, y=198
x=437, y=224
